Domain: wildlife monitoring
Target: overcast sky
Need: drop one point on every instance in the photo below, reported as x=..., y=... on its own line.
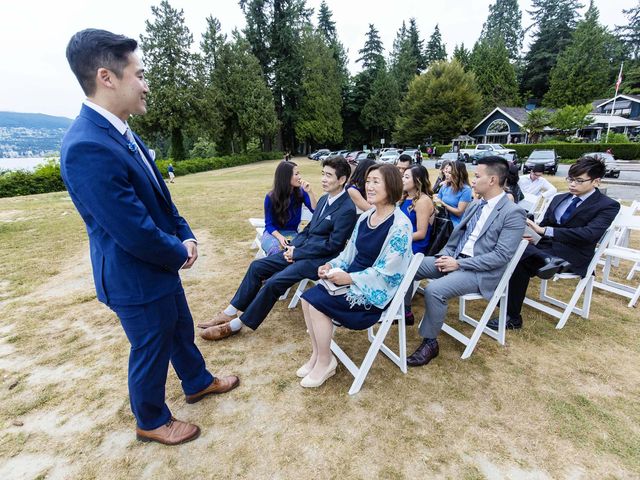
x=35, y=76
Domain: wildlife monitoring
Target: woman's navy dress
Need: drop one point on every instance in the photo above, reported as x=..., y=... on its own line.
x=359, y=317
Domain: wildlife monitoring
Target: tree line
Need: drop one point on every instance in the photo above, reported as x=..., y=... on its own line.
x=282, y=82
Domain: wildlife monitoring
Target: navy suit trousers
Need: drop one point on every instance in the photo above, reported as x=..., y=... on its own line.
x=159, y=332
x=256, y=299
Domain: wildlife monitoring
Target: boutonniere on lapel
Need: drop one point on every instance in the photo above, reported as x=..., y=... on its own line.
x=132, y=146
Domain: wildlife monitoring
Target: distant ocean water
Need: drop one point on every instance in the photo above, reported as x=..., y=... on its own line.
x=28, y=164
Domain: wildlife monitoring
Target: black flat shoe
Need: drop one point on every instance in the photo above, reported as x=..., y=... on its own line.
x=554, y=265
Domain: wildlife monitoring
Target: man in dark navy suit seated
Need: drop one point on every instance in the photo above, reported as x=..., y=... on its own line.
x=570, y=230
x=268, y=278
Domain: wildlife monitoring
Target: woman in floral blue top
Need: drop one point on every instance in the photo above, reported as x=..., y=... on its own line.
x=372, y=264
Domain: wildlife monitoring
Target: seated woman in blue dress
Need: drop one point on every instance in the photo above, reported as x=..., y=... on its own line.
x=417, y=204
x=373, y=264
x=455, y=193
x=283, y=207
x=356, y=187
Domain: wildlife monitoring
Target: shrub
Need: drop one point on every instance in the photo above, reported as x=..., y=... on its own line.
x=572, y=151
x=47, y=177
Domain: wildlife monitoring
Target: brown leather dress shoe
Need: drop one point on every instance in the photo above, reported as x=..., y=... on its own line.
x=219, y=385
x=173, y=432
x=218, y=332
x=219, y=319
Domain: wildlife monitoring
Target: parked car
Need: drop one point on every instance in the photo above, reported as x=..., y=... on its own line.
x=479, y=154
x=416, y=156
x=548, y=158
x=611, y=166
x=330, y=154
x=316, y=155
x=390, y=156
x=495, y=147
x=451, y=156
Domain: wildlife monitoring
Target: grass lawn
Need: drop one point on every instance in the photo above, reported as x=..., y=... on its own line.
x=550, y=404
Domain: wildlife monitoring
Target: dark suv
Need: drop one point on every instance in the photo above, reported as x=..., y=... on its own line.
x=548, y=158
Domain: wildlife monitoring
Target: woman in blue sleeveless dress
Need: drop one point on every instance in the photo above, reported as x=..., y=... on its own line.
x=455, y=194
x=417, y=204
x=372, y=264
x=356, y=187
x=283, y=207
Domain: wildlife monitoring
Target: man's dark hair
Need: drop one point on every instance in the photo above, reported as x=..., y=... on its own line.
x=91, y=49
x=496, y=166
x=405, y=158
x=537, y=167
x=593, y=166
x=340, y=165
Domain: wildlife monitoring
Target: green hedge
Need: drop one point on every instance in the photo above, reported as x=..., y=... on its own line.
x=569, y=151
x=47, y=178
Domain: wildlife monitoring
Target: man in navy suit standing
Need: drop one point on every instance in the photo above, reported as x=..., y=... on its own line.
x=138, y=240
x=570, y=230
x=268, y=278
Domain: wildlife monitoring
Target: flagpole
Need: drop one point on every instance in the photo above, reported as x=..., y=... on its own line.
x=613, y=107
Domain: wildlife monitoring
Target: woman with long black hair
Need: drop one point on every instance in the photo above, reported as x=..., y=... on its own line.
x=283, y=207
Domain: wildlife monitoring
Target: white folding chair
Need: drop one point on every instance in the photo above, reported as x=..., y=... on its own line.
x=395, y=311
x=585, y=286
x=624, y=222
x=299, y=291
x=258, y=224
x=499, y=296
x=529, y=202
x=541, y=208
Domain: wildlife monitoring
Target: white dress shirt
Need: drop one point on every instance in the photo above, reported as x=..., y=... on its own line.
x=330, y=200
x=486, y=211
x=537, y=186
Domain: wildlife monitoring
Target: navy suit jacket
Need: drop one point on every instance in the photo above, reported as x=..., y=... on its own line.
x=135, y=231
x=576, y=239
x=326, y=235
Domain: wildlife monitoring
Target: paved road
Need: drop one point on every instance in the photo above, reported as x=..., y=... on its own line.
x=628, y=172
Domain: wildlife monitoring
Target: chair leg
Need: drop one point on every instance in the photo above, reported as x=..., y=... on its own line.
x=370, y=356
x=299, y=291
x=580, y=288
x=635, y=298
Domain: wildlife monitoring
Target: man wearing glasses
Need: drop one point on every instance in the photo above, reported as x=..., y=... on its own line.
x=570, y=230
x=536, y=184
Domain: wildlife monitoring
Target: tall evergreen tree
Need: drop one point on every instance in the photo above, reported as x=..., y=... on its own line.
x=326, y=25
x=319, y=121
x=404, y=63
x=554, y=21
x=212, y=41
x=416, y=46
x=495, y=75
x=244, y=99
x=379, y=112
x=463, y=56
x=435, y=49
x=630, y=33
x=170, y=75
x=442, y=103
x=581, y=73
x=274, y=31
x=371, y=54
x=505, y=23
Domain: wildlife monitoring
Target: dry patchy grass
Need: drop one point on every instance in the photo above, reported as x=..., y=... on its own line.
x=551, y=404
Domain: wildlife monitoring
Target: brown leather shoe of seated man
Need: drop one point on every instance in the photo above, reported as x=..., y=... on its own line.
x=218, y=386
x=174, y=432
x=218, y=332
x=219, y=319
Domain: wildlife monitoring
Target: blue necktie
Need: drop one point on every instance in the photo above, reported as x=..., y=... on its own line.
x=570, y=209
x=471, y=224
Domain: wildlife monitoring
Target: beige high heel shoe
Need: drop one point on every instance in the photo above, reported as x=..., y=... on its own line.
x=330, y=372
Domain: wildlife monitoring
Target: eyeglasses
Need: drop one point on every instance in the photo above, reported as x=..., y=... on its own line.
x=579, y=181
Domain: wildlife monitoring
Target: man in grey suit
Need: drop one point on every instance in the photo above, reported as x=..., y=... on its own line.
x=476, y=255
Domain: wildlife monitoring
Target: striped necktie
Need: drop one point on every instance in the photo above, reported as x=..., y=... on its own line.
x=471, y=224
